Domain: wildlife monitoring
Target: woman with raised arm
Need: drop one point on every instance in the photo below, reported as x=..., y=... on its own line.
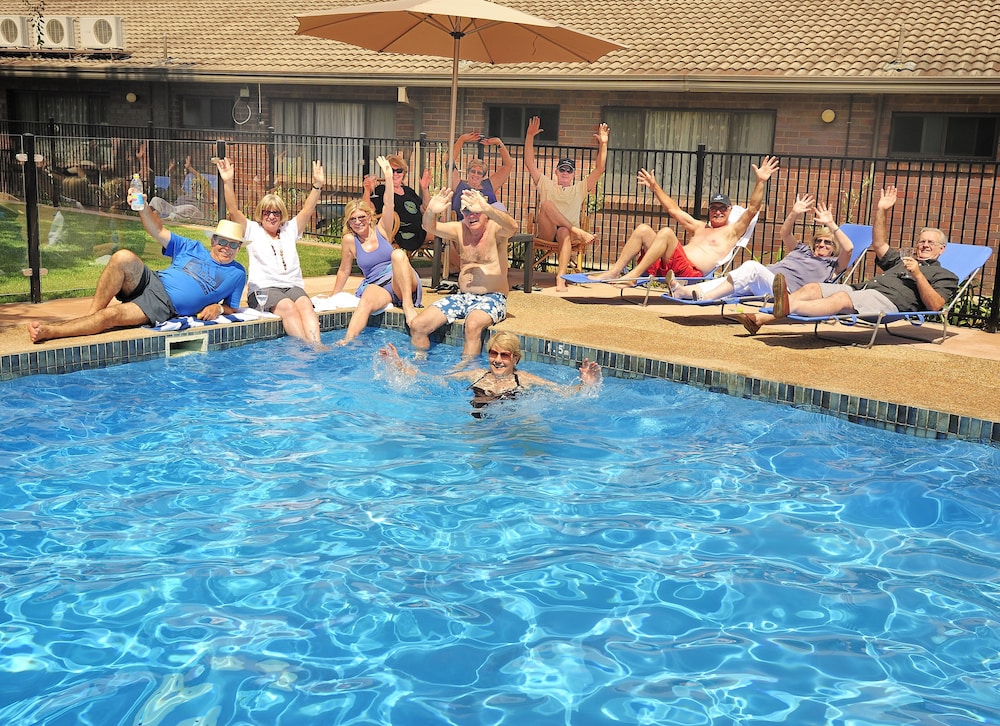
x=389, y=276
x=275, y=280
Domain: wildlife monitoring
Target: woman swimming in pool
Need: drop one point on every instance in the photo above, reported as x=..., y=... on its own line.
x=501, y=381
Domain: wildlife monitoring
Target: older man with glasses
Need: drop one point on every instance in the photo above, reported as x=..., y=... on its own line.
x=202, y=282
x=822, y=260
x=907, y=283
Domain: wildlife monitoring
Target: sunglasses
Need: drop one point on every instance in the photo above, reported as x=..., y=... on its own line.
x=477, y=172
x=353, y=220
x=226, y=243
x=718, y=208
x=399, y=171
x=502, y=354
x=823, y=243
x=271, y=213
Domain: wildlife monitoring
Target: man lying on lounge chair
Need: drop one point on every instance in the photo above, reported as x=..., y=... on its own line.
x=907, y=283
x=707, y=244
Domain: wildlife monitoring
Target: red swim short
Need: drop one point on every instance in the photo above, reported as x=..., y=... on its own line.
x=679, y=263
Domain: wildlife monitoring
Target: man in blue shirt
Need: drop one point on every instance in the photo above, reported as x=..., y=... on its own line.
x=201, y=282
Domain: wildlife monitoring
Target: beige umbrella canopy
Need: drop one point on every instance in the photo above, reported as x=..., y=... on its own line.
x=475, y=30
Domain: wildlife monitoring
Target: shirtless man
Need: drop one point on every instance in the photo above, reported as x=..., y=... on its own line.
x=560, y=200
x=707, y=244
x=481, y=238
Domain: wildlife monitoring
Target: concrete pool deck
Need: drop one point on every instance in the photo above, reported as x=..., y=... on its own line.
x=945, y=390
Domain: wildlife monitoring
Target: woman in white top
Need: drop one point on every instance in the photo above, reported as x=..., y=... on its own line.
x=275, y=281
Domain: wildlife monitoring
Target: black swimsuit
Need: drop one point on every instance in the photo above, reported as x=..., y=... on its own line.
x=483, y=398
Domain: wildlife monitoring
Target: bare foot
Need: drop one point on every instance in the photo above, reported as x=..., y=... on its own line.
x=36, y=332
x=560, y=289
x=410, y=316
x=606, y=275
x=587, y=238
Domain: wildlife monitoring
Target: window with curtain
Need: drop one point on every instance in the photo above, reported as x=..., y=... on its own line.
x=665, y=131
x=334, y=133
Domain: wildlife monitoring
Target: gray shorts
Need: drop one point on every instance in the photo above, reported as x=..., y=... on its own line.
x=151, y=297
x=865, y=302
x=271, y=296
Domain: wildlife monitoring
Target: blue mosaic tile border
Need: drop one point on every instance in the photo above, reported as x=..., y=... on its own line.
x=903, y=419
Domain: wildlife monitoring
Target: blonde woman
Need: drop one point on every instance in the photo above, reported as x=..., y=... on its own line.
x=275, y=281
x=389, y=276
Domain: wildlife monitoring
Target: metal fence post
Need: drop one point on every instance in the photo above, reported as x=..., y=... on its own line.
x=699, y=178
x=31, y=217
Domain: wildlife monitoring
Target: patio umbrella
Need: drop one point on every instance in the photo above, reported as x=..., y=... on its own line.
x=475, y=30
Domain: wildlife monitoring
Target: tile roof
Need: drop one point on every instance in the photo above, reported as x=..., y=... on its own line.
x=694, y=44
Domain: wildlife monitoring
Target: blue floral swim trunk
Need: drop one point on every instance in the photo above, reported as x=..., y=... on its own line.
x=458, y=306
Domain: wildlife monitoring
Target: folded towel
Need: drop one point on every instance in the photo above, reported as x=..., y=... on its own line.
x=340, y=301
x=183, y=322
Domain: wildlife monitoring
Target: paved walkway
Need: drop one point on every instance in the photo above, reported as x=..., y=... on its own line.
x=960, y=376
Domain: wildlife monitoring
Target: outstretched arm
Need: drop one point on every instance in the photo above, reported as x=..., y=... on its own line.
x=388, y=218
x=500, y=176
x=435, y=206
x=151, y=221
x=646, y=179
x=602, y=158
x=803, y=204
x=319, y=179
x=228, y=174
x=768, y=167
x=534, y=128
x=456, y=156
x=880, y=228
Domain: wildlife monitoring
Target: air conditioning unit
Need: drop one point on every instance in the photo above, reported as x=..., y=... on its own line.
x=58, y=31
x=14, y=31
x=102, y=32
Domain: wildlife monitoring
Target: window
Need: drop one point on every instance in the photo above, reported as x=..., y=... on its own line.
x=922, y=135
x=664, y=130
x=199, y=112
x=350, y=123
x=510, y=122
x=67, y=108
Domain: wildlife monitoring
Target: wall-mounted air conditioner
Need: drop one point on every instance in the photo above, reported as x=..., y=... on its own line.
x=14, y=31
x=58, y=31
x=102, y=32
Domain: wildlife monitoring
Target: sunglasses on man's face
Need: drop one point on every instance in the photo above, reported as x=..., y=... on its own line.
x=227, y=243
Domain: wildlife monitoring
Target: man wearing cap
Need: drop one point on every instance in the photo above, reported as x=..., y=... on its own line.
x=200, y=282
x=560, y=200
x=481, y=300
x=660, y=251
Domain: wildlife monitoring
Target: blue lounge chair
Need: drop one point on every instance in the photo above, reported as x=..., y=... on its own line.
x=859, y=234
x=963, y=259
x=583, y=278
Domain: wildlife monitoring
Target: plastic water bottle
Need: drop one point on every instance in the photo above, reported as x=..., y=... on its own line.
x=139, y=200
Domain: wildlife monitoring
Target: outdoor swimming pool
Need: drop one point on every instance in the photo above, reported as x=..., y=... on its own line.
x=268, y=536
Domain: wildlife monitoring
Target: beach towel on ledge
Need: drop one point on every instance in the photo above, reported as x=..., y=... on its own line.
x=184, y=322
x=340, y=301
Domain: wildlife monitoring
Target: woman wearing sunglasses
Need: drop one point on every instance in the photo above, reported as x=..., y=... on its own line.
x=501, y=381
x=275, y=280
x=408, y=204
x=389, y=276
x=825, y=257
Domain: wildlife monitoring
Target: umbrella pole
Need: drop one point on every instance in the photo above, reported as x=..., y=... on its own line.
x=439, y=250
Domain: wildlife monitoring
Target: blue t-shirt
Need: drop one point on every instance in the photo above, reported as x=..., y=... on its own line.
x=195, y=280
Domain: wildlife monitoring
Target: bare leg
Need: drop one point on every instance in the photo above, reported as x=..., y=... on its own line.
x=372, y=299
x=476, y=322
x=121, y=275
x=404, y=282
x=423, y=325
x=309, y=319
x=640, y=239
x=126, y=315
x=565, y=239
x=807, y=300
x=290, y=319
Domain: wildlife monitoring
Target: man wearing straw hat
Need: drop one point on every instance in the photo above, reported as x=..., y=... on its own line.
x=200, y=282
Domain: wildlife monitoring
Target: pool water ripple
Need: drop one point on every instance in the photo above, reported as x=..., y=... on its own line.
x=272, y=536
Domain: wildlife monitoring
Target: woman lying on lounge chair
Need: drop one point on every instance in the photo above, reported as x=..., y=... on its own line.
x=825, y=257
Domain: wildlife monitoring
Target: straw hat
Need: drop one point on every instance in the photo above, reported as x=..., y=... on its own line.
x=228, y=230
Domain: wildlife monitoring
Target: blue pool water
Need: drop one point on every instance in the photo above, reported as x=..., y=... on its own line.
x=271, y=536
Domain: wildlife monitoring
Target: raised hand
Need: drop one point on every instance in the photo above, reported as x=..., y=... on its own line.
x=474, y=201
x=319, y=176
x=824, y=215
x=887, y=196
x=425, y=179
x=768, y=167
x=534, y=126
x=385, y=167
x=227, y=172
x=440, y=201
x=646, y=179
x=602, y=134
x=803, y=203
x=590, y=373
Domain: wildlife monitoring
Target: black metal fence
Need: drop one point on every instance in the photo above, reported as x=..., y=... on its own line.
x=86, y=167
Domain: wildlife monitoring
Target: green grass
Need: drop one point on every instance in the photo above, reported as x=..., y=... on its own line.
x=75, y=260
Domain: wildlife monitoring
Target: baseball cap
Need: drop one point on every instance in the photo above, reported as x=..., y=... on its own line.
x=720, y=198
x=566, y=164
